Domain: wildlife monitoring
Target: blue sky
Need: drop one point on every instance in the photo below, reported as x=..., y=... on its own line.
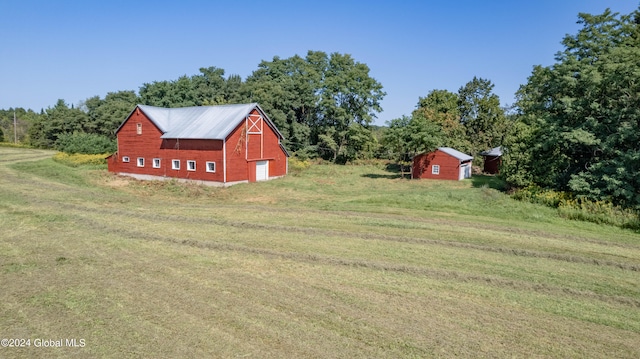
x=74, y=50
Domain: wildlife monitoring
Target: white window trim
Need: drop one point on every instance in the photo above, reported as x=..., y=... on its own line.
x=156, y=163
x=435, y=169
x=189, y=162
x=139, y=128
x=140, y=161
x=173, y=164
x=214, y=167
x=126, y=159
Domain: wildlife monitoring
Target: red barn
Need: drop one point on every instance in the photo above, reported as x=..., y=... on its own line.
x=221, y=145
x=443, y=163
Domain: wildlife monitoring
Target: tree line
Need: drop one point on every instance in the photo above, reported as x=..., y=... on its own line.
x=323, y=104
x=574, y=126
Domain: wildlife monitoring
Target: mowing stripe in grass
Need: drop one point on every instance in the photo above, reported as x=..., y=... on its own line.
x=324, y=232
x=321, y=259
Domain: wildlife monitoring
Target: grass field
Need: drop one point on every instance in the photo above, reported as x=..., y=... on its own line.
x=332, y=262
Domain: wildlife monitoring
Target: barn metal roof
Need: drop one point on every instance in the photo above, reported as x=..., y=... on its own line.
x=201, y=122
x=455, y=153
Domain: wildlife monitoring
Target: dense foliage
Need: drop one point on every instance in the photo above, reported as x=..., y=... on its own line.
x=579, y=123
x=323, y=104
x=74, y=128
x=86, y=143
x=16, y=130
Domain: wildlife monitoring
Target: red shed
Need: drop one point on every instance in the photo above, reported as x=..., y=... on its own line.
x=219, y=145
x=443, y=163
x=492, y=160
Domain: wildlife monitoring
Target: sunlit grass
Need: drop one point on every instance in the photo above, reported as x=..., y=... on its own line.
x=336, y=261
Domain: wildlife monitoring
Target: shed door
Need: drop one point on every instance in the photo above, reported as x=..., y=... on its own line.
x=465, y=171
x=262, y=170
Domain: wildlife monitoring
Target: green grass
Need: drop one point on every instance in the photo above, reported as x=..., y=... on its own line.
x=334, y=261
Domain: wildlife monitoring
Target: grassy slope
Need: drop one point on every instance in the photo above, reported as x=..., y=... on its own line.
x=339, y=261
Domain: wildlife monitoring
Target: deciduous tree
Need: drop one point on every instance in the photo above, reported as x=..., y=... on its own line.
x=481, y=114
x=580, y=118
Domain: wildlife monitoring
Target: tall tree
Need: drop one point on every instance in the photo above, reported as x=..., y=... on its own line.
x=348, y=96
x=55, y=121
x=207, y=88
x=481, y=114
x=23, y=120
x=287, y=89
x=409, y=136
x=316, y=100
x=582, y=113
x=441, y=107
x=105, y=115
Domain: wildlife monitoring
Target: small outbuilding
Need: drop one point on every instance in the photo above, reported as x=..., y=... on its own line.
x=443, y=163
x=219, y=145
x=492, y=160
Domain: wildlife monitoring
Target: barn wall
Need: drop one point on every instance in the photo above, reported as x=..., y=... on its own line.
x=149, y=145
x=237, y=167
x=244, y=150
x=134, y=145
x=200, y=151
x=449, y=166
x=277, y=157
x=492, y=164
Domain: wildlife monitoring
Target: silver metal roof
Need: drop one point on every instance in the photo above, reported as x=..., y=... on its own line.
x=200, y=122
x=496, y=151
x=455, y=153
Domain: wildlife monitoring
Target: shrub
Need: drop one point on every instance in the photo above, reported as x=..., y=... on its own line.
x=535, y=194
x=87, y=143
x=297, y=165
x=603, y=212
x=580, y=208
x=78, y=159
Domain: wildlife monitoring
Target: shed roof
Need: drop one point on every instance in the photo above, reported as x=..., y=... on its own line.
x=201, y=122
x=455, y=153
x=496, y=151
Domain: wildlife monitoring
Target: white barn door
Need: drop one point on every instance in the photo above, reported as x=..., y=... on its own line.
x=465, y=171
x=262, y=170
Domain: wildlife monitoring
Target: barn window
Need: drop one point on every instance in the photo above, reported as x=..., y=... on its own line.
x=211, y=166
x=139, y=128
x=175, y=164
x=191, y=165
x=435, y=169
x=125, y=159
x=156, y=163
x=140, y=161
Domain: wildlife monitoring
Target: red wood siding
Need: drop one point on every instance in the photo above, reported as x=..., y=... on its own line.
x=237, y=166
x=242, y=152
x=423, y=165
x=492, y=164
x=132, y=145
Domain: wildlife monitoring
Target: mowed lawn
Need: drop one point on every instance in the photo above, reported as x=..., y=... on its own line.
x=329, y=262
